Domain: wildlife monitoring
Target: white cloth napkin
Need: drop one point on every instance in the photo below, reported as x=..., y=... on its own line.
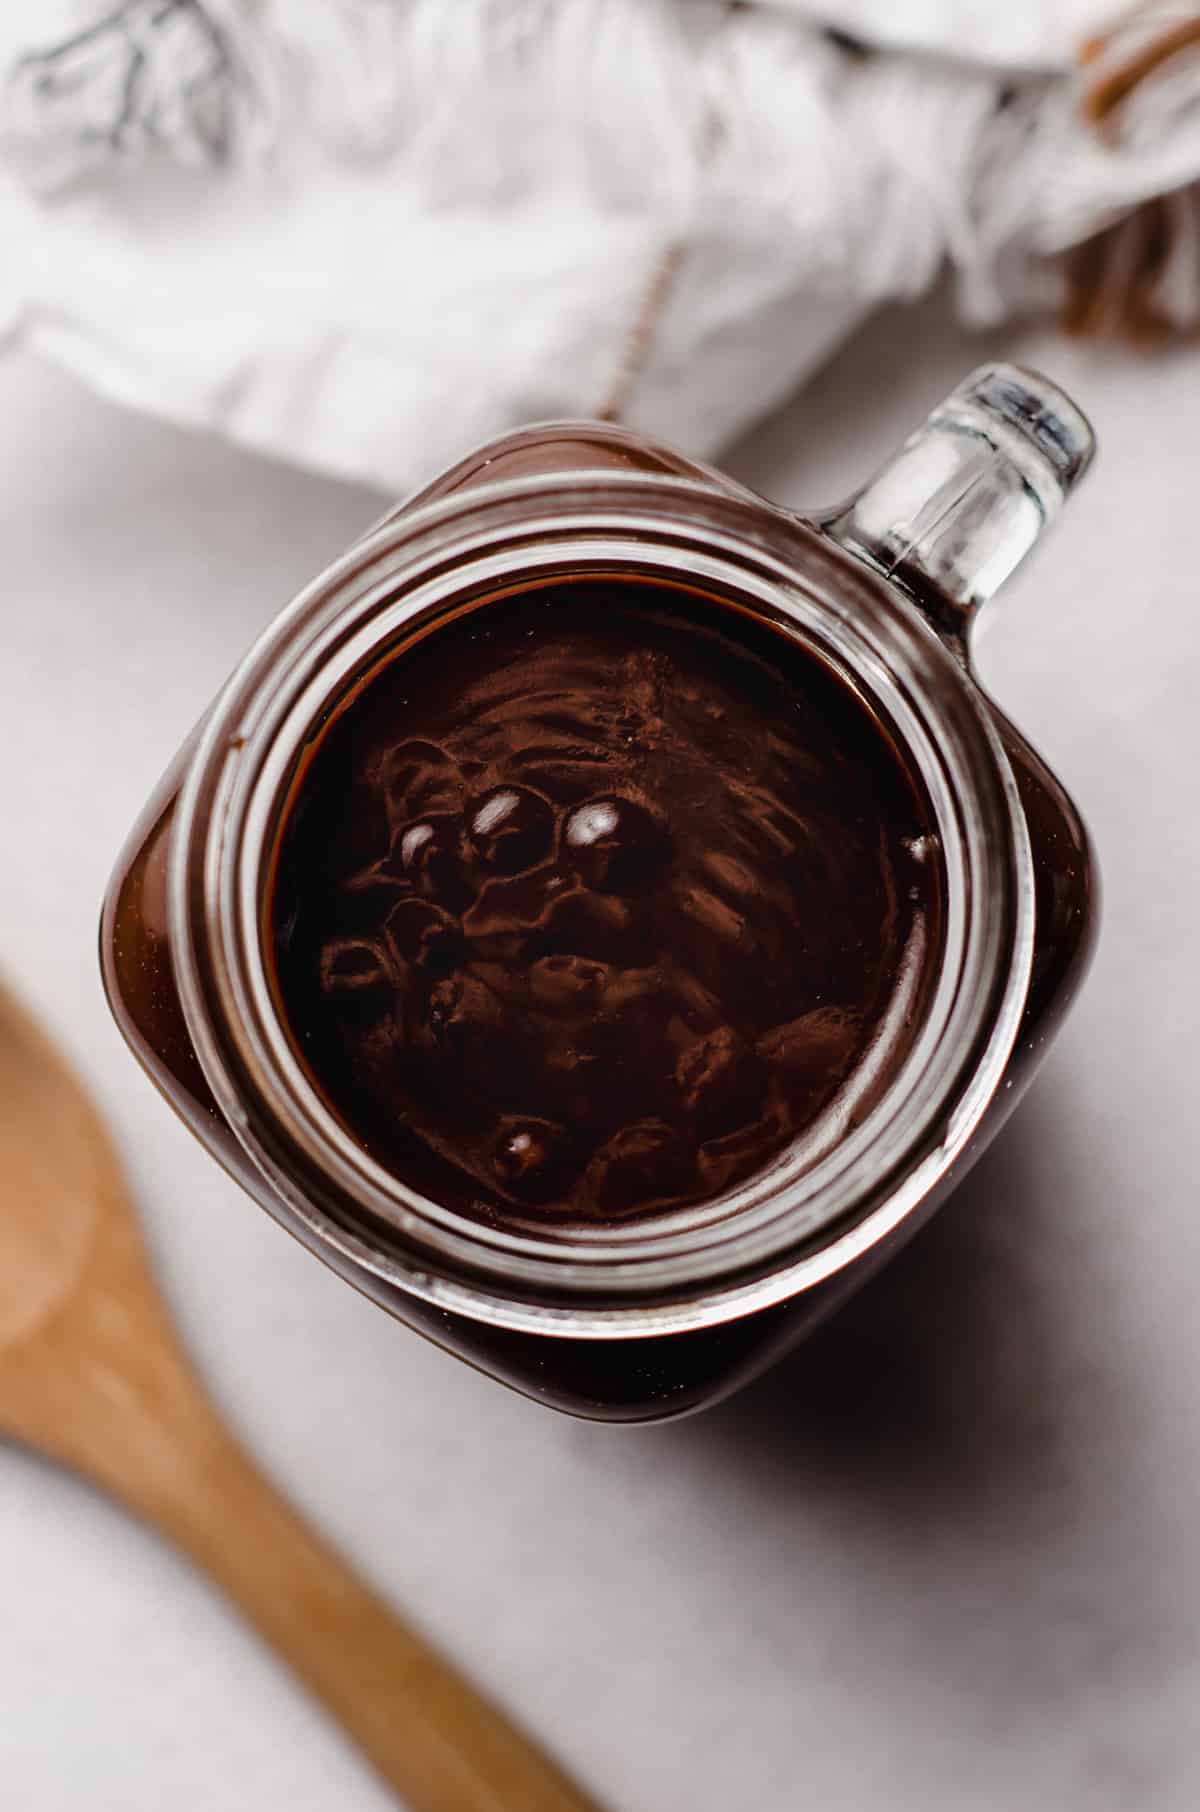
x=365, y=234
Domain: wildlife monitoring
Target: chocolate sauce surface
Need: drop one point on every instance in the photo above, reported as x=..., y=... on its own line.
x=591, y=903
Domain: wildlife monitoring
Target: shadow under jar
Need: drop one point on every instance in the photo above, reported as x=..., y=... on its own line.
x=602, y=915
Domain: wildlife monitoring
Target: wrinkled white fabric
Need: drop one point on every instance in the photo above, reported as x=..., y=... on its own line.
x=364, y=234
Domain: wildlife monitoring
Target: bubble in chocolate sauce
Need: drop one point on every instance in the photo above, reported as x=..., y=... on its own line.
x=423, y=933
x=614, y=843
x=528, y=1156
x=597, y=898
x=512, y=828
x=429, y=855
x=353, y=965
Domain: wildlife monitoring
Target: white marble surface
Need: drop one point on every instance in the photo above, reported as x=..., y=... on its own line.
x=946, y=1562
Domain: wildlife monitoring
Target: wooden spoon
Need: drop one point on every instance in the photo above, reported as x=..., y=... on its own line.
x=92, y=1374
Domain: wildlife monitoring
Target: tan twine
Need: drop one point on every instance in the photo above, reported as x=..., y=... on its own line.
x=1115, y=279
x=636, y=348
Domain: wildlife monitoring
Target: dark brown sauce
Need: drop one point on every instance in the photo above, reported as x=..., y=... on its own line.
x=591, y=903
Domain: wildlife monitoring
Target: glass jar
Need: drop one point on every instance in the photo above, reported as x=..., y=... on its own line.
x=643, y=1320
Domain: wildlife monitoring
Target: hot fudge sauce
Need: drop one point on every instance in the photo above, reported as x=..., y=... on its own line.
x=589, y=904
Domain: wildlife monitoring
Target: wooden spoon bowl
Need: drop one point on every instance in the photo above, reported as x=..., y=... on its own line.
x=93, y=1375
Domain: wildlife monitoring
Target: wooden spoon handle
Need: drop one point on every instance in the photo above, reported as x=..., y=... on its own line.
x=425, y=1728
x=92, y=1374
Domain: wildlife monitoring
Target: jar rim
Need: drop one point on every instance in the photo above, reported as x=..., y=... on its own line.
x=783, y=1228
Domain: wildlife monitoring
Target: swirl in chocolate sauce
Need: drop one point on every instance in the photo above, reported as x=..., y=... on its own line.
x=592, y=902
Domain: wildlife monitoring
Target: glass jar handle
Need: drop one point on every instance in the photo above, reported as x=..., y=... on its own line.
x=964, y=500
